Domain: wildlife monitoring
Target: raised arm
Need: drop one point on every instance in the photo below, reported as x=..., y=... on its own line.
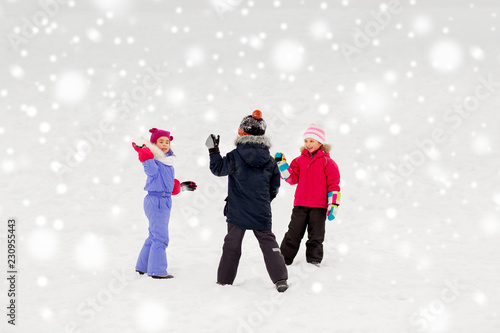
x=146, y=157
x=289, y=173
x=220, y=166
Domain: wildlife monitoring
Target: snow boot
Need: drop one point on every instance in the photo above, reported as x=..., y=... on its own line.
x=162, y=276
x=140, y=273
x=281, y=286
x=315, y=263
x=224, y=284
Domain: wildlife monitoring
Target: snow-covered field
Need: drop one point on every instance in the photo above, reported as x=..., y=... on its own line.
x=410, y=107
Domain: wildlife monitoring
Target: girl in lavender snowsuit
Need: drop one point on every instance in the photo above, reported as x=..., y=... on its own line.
x=157, y=159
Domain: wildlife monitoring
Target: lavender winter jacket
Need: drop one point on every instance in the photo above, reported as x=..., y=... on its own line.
x=160, y=176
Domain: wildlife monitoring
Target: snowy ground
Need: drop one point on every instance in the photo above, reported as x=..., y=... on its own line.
x=409, y=112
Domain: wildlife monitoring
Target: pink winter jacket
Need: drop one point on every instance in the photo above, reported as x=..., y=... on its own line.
x=316, y=177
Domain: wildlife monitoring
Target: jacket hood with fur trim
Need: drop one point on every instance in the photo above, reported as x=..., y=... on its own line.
x=254, y=150
x=262, y=140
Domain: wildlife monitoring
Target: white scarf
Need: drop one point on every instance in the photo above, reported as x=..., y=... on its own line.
x=159, y=155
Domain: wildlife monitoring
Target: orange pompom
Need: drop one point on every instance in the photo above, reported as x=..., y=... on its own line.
x=257, y=114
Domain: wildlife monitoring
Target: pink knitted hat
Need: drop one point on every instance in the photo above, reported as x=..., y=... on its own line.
x=316, y=132
x=158, y=133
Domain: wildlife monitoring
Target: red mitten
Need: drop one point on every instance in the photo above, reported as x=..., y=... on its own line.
x=144, y=152
x=177, y=187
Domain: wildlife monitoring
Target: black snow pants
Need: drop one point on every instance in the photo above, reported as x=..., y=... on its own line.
x=231, y=253
x=312, y=219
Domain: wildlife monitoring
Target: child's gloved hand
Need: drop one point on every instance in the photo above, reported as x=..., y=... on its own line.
x=332, y=212
x=144, y=152
x=282, y=165
x=333, y=204
x=188, y=186
x=212, y=143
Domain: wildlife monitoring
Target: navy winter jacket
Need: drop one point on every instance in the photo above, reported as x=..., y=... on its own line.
x=254, y=180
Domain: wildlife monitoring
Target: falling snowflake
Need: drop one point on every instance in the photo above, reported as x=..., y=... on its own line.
x=90, y=253
x=42, y=244
x=71, y=87
x=446, y=55
x=288, y=55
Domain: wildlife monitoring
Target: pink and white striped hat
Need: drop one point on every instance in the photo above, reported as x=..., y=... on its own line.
x=316, y=132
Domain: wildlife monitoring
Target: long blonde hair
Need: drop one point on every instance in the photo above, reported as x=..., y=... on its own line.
x=324, y=146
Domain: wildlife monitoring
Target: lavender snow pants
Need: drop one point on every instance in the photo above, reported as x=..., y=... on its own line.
x=153, y=258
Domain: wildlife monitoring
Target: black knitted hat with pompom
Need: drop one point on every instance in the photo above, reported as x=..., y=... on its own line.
x=253, y=124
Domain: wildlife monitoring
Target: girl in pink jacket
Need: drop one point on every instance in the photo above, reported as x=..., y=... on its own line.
x=317, y=195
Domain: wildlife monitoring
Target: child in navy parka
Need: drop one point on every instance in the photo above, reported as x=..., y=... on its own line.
x=254, y=179
x=157, y=159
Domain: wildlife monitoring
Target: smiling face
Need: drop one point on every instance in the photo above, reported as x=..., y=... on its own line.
x=311, y=145
x=163, y=143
